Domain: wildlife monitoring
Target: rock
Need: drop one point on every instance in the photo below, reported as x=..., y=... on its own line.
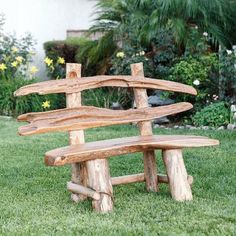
x=156, y=126
x=193, y=128
x=221, y=128
x=6, y=117
x=116, y=106
x=159, y=100
x=162, y=120
x=205, y=127
x=188, y=126
x=176, y=127
x=231, y=126
x=181, y=127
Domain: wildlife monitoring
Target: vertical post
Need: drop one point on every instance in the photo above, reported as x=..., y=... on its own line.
x=79, y=172
x=177, y=175
x=145, y=127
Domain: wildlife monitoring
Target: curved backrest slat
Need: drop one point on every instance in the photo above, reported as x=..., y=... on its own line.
x=84, y=83
x=89, y=117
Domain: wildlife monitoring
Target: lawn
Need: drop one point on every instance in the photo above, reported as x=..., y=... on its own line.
x=34, y=199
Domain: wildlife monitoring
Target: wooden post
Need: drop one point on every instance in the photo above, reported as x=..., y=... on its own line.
x=99, y=180
x=79, y=172
x=177, y=175
x=145, y=127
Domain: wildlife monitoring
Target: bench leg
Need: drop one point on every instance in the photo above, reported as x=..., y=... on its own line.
x=99, y=179
x=177, y=175
x=78, y=176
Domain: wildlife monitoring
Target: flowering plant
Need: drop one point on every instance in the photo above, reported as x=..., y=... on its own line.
x=15, y=55
x=55, y=67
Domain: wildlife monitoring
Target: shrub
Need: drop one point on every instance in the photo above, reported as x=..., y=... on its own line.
x=215, y=115
x=13, y=106
x=15, y=55
x=200, y=72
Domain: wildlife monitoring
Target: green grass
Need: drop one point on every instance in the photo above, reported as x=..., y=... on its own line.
x=34, y=200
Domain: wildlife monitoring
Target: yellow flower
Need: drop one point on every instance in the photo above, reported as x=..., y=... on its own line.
x=48, y=61
x=120, y=54
x=61, y=60
x=3, y=67
x=19, y=59
x=14, y=64
x=34, y=70
x=14, y=49
x=46, y=104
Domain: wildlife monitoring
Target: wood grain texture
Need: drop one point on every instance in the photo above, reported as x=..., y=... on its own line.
x=85, y=117
x=73, y=100
x=100, y=180
x=79, y=189
x=136, y=178
x=121, y=146
x=78, y=85
x=177, y=175
x=145, y=128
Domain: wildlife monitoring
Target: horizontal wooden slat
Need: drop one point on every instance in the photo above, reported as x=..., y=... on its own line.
x=136, y=178
x=107, y=148
x=78, y=85
x=89, y=117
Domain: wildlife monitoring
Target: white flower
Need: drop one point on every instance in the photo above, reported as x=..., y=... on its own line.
x=234, y=47
x=196, y=27
x=142, y=53
x=205, y=34
x=229, y=52
x=120, y=54
x=233, y=108
x=196, y=82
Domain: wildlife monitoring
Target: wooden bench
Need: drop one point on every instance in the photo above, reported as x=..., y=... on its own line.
x=90, y=170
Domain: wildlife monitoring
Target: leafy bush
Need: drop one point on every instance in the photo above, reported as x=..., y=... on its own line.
x=15, y=54
x=10, y=105
x=215, y=115
x=200, y=72
x=104, y=97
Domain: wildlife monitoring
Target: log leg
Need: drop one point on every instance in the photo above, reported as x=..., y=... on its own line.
x=79, y=176
x=177, y=175
x=99, y=179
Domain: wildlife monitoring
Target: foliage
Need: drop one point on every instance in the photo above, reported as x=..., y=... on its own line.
x=13, y=106
x=66, y=49
x=200, y=72
x=215, y=115
x=105, y=97
x=227, y=83
x=15, y=54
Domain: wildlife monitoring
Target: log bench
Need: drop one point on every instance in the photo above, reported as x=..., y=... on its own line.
x=90, y=170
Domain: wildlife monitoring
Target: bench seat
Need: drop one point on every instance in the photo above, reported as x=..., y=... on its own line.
x=113, y=147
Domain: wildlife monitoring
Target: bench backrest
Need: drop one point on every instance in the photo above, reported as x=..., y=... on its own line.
x=76, y=117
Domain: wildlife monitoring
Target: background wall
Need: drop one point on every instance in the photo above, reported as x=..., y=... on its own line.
x=46, y=20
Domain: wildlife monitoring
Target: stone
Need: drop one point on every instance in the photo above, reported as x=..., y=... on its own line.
x=205, y=127
x=193, y=128
x=181, y=127
x=188, y=126
x=158, y=99
x=116, y=106
x=6, y=117
x=156, y=126
x=176, y=127
x=161, y=120
x=221, y=128
x=231, y=126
